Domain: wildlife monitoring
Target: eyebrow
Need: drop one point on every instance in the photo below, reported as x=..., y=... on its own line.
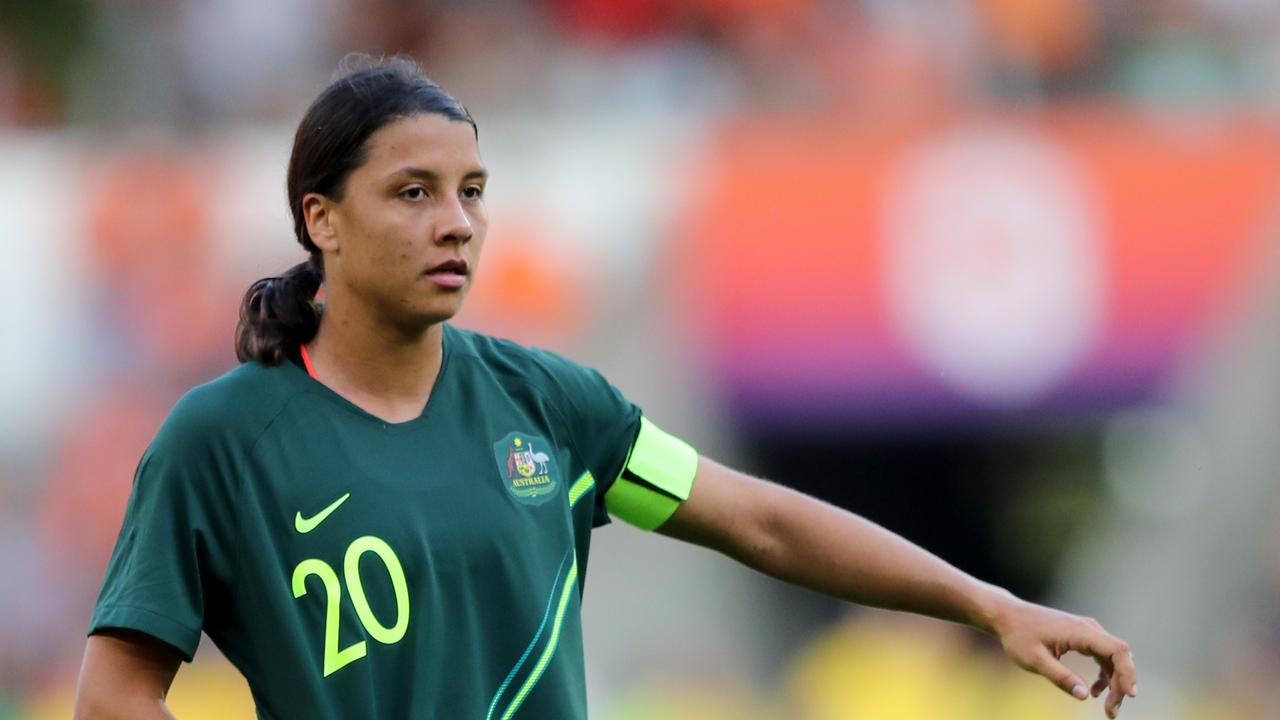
x=432, y=176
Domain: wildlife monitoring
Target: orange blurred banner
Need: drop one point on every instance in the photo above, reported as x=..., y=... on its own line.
x=1057, y=261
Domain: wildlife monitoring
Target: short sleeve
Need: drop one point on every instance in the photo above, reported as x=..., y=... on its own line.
x=173, y=558
x=641, y=473
x=603, y=424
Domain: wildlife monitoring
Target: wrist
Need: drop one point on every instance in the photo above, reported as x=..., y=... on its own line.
x=989, y=606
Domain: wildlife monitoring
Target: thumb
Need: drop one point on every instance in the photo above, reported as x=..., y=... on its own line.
x=1046, y=664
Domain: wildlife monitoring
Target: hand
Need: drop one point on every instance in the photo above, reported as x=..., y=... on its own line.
x=1035, y=637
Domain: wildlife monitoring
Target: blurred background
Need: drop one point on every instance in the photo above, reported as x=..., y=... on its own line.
x=998, y=274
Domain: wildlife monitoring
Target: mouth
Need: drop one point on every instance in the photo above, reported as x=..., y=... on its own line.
x=451, y=273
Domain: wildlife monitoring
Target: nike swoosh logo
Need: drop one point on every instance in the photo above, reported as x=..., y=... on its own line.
x=306, y=525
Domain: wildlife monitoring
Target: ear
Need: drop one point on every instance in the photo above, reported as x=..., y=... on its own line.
x=318, y=212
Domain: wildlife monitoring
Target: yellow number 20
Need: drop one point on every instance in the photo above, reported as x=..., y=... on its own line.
x=334, y=658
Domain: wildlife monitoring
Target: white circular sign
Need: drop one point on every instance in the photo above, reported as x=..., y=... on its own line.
x=994, y=271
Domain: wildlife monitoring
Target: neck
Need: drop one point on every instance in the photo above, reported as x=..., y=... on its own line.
x=386, y=371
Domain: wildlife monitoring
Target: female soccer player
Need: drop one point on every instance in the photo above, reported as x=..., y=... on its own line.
x=380, y=515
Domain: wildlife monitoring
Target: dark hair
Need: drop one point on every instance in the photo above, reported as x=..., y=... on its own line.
x=280, y=313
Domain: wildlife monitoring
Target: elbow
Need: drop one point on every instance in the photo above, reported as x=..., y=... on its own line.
x=759, y=542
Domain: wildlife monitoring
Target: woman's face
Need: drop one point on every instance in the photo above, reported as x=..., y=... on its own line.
x=405, y=239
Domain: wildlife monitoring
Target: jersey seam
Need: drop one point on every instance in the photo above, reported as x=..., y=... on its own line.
x=283, y=406
x=253, y=447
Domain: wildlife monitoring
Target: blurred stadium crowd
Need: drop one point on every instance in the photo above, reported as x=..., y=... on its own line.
x=194, y=64
x=1000, y=274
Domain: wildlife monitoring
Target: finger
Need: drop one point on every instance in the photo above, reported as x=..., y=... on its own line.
x=1126, y=669
x=1103, y=681
x=1046, y=664
x=1115, y=658
x=1113, y=702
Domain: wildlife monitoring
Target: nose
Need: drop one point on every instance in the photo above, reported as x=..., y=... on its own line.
x=454, y=226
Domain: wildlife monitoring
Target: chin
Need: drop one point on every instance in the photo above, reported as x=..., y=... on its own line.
x=417, y=311
x=440, y=311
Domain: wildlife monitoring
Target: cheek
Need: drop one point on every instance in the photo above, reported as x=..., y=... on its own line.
x=395, y=245
x=479, y=226
x=366, y=232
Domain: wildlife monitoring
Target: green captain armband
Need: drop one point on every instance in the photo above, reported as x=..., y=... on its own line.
x=656, y=478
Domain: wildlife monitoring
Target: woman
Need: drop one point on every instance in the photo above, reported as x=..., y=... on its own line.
x=380, y=515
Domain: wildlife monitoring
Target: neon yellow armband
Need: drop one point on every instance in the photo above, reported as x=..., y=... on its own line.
x=656, y=478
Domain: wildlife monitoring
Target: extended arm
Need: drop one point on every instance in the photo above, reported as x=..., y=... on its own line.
x=125, y=674
x=804, y=541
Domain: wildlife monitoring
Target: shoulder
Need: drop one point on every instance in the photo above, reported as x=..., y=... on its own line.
x=553, y=374
x=580, y=394
x=231, y=410
x=599, y=421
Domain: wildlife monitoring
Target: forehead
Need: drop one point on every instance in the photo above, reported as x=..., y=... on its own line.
x=425, y=140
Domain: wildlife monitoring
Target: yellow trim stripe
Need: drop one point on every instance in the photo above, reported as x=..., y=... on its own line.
x=551, y=599
x=569, y=585
x=580, y=487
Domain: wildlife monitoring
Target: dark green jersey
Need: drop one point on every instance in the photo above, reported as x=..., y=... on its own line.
x=352, y=568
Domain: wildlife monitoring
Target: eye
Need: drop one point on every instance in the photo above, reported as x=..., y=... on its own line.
x=473, y=192
x=414, y=194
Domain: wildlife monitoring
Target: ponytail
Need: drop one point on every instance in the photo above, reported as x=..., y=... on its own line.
x=278, y=314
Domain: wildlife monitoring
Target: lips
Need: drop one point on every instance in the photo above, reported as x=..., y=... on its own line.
x=451, y=273
x=455, y=266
